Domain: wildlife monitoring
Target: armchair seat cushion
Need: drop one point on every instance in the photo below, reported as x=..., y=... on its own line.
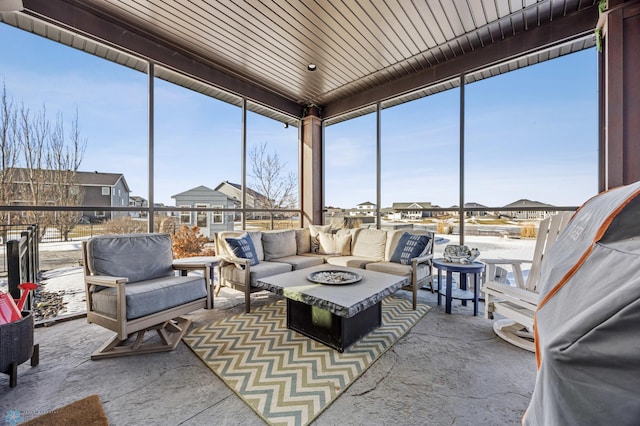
x=262, y=269
x=151, y=296
x=398, y=269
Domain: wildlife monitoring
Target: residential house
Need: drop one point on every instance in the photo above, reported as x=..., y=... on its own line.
x=526, y=214
x=364, y=209
x=254, y=200
x=103, y=189
x=137, y=201
x=97, y=189
x=475, y=209
x=415, y=212
x=162, y=213
x=208, y=222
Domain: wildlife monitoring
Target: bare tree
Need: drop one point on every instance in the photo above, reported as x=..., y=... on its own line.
x=32, y=134
x=271, y=179
x=49, y=176
x=63, y=160
x=8, y=155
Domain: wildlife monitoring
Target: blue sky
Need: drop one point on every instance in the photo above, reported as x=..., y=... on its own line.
x=530, y=134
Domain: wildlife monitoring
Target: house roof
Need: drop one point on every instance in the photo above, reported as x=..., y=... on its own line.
x=101, y=179
x=83, y=178
x=527, y=203
x=365, y=52
x=366, y=203
x=474, y=206
x=411, y=205
x=200, y=189
x=238, y=187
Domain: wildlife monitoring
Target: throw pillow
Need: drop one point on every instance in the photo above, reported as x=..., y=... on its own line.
x=409, y=246
x=334, y=244
x=243, y=247
x=314, y=230
x=303, y=241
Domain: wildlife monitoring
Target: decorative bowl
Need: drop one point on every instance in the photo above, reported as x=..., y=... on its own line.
x=334, y=277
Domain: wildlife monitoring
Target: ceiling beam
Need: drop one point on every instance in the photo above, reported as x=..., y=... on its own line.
x=71, y=16
x=551, y=33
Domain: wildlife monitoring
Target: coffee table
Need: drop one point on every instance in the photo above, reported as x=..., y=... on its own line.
x=336, y=315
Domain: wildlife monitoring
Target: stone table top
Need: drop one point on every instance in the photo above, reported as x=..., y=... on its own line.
x=343, y=300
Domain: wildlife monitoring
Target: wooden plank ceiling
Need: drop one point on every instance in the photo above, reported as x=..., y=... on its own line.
x=365, y=51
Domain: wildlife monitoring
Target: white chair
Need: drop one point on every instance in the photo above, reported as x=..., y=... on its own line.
x=518, y=303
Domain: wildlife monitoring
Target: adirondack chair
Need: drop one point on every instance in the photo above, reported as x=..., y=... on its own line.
x=518, y=303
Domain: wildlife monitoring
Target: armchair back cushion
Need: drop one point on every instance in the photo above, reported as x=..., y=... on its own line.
x=278, y=244
x=369, y=243
x=138, y=257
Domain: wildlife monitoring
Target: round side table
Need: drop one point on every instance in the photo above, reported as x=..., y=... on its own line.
x=462, y=294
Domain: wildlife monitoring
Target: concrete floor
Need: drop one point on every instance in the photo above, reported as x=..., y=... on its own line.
x=448, y=370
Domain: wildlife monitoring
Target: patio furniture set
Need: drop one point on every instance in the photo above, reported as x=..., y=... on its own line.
x=132, y=286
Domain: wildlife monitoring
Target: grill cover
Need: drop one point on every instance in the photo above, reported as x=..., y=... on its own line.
x=588, y=319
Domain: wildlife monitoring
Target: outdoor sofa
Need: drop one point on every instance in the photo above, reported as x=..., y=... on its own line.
x=247, y=256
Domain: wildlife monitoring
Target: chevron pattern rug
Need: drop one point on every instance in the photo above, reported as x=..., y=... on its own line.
x=285, y=377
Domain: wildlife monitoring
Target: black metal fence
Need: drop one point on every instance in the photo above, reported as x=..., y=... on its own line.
x=21, y=258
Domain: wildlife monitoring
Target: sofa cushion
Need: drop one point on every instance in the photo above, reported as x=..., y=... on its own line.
x=151, y=296
x=301, y=262
x=137, y=257
x=369, y=243
x=261, y=270
x=279, y=244
x=398, y=269
x=408, y=247
x=324, y=257
x=314, y=230
x=243, y=247
x=350, y=261
x=336, y=244
x=303, y=241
